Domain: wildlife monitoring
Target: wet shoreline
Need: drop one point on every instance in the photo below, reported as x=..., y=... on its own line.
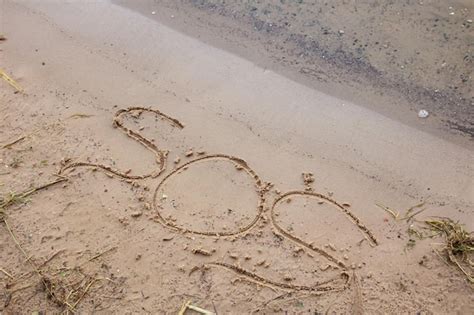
x=353, y=64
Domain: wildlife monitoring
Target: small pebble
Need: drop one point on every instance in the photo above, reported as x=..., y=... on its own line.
x=287, y=277
x=136, y=214
x=423, y=113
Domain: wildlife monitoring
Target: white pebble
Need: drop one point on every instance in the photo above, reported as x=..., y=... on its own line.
x=423, y=113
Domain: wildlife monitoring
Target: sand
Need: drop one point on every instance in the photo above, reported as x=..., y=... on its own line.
x=262, y=240
x=395, y=57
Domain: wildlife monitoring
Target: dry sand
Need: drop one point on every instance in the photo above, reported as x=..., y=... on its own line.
x=79, y=63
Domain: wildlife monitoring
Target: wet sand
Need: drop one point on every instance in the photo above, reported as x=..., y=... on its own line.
x=395, y=57
x=79, y=63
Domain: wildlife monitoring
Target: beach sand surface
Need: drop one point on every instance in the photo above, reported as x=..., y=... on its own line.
x=107, y=244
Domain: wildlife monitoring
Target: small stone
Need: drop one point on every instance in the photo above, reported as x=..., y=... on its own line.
x=136, y=214
x=177, y=160
x=423, y=113
x=325, y=267
x=287, y=277
x=200, y=251
x=189, y=153
x=469, y=21
x=331, y=246
x=234, y=256
x=341, y=32
x=345, y=257
x=153, y=12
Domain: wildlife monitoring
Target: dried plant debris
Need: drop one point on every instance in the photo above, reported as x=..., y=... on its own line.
x=10, y=81
x=410, y=213
x=458, y=246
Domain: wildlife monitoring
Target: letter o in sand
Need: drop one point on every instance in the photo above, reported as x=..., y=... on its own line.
x=210, y=192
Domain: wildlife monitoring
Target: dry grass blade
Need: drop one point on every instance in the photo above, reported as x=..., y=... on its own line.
x=13, y=142
x=395, y=214
x=6, y=273
x=188, y=306
x=80, y=116
x=13, y=198
x=421, y=204
x=408, y=214
x=409, y=217
x=10, y=81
